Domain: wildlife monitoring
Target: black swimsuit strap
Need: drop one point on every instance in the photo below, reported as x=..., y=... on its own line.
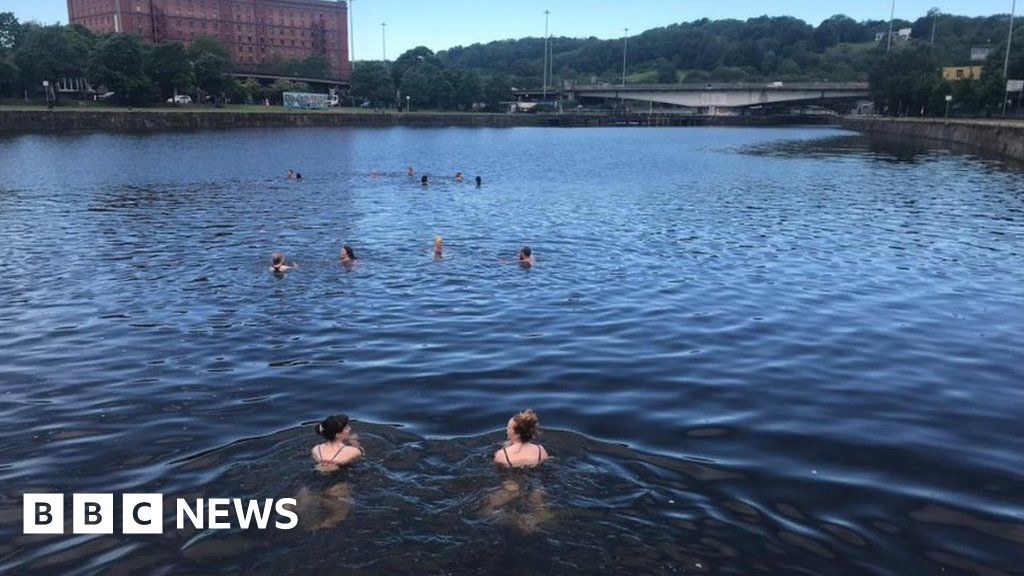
x=338, y=453
x=540, y=453
x=507, y=459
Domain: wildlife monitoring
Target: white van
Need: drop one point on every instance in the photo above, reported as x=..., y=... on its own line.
x=183, y=99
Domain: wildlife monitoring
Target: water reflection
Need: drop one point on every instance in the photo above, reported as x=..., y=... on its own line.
x=772, y=351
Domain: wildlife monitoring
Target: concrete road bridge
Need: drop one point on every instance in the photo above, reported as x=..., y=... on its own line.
x=721, y=96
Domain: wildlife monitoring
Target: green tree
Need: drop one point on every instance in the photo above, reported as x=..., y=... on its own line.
x=280, y=86
x=906, y=82
x=418, y=86
x=168, y=66
x=10, y=31
x=469, y=90
x=498, y=91
x=117, y=62
x=48, y=53
x=371, y=82
x=415, y=58
x=253, y=92
x=667, y=71
x=211, y=63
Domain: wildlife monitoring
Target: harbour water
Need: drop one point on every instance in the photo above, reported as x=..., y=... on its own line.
x=754, y=351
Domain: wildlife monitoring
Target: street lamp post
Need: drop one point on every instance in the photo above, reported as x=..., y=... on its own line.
x=949, y=99
x=408, y=103
x=892, y=19
x=547, y=14
x=384, y=41
x=351, y=35
x=625, y=49
x=1006, y=65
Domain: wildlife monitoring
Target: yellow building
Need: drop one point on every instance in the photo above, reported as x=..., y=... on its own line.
x=958, y=73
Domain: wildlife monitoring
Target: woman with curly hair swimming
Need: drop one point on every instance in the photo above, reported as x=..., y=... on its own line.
x=520, y=449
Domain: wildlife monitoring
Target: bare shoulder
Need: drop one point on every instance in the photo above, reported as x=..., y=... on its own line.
x=313, y=453
x=349, y=454
x=543, y=452
x=498, y=458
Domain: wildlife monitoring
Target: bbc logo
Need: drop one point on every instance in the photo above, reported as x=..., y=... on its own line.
x=144, y=514
x=93, y=514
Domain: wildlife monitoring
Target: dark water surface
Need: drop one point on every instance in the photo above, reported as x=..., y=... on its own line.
x=770, y=351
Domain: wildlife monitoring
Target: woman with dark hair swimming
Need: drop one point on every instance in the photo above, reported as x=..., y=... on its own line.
x=521, y=450
x=335, y=452
x=348, y=255
x=526, y=256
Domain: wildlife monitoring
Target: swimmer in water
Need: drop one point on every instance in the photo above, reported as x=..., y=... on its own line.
x=458, y=176
x=290, y=174
x=278, y=265
x=479, y=181
x=424, y=180
x=348, y=255
x=298, y=176
x=526, y=256
x=438, y=247
x=520, y=450
x=410, y=172
x=335, y=452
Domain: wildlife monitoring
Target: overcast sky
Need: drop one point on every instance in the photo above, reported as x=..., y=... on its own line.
x=440, y=24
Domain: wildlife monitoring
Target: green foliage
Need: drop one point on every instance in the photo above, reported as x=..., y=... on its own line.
x=371, y=82
x=497, y=91
x=10, y=31
x=118, y=62
x=210, y=64
x=280, y=86
x=906, y=81
x=51, y=52
x=169, y=68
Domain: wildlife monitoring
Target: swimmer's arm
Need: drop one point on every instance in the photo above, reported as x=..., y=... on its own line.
x=313, y=454
x=544, y=453
x=498, y=458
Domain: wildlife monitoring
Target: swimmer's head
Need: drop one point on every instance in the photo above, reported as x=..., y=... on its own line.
x=347, y=253
x=523, y=427
x=278, y=258
x=334, y=428
x=438, y=241
x=525, y=253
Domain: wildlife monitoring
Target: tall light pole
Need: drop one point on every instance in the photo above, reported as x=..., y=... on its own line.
x=892, y=19
x=626, y=46
x=547, y=14
x=351, y=36
x=1006, y=65
x=384, y=41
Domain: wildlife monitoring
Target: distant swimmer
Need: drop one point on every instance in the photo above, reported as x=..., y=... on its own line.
x=425, y=180
x=348, y=255
x=290, y=174
x=438, y=247
x=298, y=176
x=520, y=449
x=335, y=451
x=278, y=265
x=458, y=176
x=410, y=172
x=526, y=256
x=479, y=181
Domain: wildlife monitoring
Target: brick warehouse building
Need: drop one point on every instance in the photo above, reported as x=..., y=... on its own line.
x=253, y=31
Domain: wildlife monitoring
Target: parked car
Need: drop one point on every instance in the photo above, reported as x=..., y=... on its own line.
x=105, y=96
x=183, y=99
